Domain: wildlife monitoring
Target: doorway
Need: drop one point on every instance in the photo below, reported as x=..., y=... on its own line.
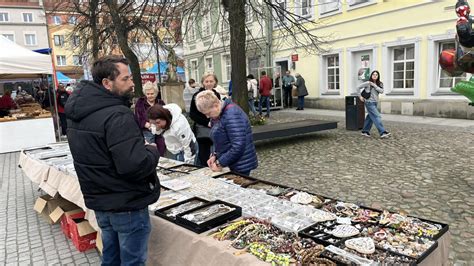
x=362, y=65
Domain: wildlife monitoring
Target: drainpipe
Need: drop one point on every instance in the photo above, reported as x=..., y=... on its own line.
x=269, y=37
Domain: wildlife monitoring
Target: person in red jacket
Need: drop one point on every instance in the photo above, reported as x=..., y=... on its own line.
x=265, y=92
x=6, y=103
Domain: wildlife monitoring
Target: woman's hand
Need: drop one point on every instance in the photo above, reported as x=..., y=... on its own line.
x=211, y=161
x=147, y=125
x=362, y=99
x=215, y=167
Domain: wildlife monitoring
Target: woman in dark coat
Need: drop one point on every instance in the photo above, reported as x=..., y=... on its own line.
x=141, y=107
x=231, y=134
x=302, y=91
x=202, y=124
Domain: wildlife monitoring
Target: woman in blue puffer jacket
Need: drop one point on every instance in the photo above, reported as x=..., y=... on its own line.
x=231, y=134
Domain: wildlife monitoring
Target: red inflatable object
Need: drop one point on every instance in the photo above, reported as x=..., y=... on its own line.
x=447, y=61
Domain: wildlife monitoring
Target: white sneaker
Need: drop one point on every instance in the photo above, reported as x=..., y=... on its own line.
x=385, y=135
x=365, y=134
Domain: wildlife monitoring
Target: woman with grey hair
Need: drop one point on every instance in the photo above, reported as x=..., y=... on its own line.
x=301, y=89
x=150, y=98
x=231, y=134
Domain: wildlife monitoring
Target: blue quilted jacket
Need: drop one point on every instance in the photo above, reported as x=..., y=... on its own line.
x=232, y=137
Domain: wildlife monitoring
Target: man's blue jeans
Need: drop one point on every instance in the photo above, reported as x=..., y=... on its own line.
x=267, y=100
x=373, y=117
x=125, y=236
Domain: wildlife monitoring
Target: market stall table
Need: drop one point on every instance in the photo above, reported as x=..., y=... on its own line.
x=170, y=244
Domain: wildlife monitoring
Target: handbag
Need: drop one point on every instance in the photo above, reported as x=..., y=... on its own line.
x=365, y=94
x=294, y=91
x=202, y=132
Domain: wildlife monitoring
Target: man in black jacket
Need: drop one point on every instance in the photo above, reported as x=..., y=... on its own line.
x=116, y=169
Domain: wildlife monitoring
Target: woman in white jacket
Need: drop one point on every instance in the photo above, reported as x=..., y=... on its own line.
x=174, y=127
x=252, y=92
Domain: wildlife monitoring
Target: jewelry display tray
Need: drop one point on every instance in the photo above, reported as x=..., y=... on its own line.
x=208, y=225
x=161, y=212
x=176, y=168
x=305, y=234
x=389, y=252
x=251, y=180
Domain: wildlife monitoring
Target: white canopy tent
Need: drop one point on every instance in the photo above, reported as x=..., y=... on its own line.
x=19, y=62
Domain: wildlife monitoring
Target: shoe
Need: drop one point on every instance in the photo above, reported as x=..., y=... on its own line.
x=385, y=135
x=267, y=116
x=365, y=134
x=298, y=108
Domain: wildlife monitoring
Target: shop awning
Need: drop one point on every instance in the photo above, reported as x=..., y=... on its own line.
x=163, y=68
x=63, y=78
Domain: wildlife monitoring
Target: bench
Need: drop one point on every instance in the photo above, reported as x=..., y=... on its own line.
x=291, y=128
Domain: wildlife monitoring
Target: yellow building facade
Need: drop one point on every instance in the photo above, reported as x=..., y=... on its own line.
x=400, y=38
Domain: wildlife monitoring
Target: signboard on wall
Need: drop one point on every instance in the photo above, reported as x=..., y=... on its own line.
x=148, y=78
x=294, y=57
x=364, y=69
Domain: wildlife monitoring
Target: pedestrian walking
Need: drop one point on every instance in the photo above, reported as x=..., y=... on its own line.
x=231, y=134
x=252, y=88
x=370, y=96
x=265, y=92
x=301, y=89
x=288, y=81
x=115, y=168
x=61, y=100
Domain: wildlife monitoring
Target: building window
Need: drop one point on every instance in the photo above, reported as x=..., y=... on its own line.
x=206, y=24
x=332, y=72
x=225, y=22
x=72, y=20
x=280, y=13
x=192, y=33
x=30, y=39
x=404, y=67
x=227, y=68
x=77, y=60
x=357, y=2
x=445, y=81
x=11, y=37
x=304, y=8
x=58, y=40
x=57, y=20
x=4, y=17
x=194, y=69
x=248, y=13
x=209, y=64
x=167, y=40
x=328, y=6
x=60, y=60
x=28, y=17
x=76, y=41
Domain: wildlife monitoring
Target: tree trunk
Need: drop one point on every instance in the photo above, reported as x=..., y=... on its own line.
x=122, y=37
x=93, y=16
x=236, y=9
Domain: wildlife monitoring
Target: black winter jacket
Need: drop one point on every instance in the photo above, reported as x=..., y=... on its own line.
x=116, y=171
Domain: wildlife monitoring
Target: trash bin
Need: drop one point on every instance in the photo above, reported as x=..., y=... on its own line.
x=355, y=113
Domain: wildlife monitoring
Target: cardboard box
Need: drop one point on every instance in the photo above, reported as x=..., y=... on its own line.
x=51, y=208
x=82, y=234
x=98, y=243
x=65, y=227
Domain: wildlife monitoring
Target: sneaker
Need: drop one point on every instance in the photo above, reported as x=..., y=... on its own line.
x=385, y=135
x=267, y=116
x=365, y=134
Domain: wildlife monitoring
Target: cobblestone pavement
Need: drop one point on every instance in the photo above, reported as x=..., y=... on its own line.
x=426, y=170
x=25, y=238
